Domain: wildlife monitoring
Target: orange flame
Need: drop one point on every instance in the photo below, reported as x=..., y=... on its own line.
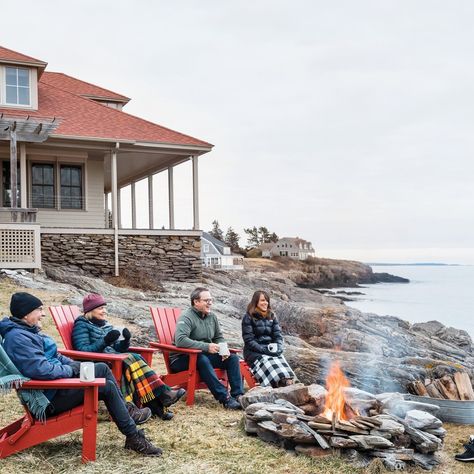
x=336, y=382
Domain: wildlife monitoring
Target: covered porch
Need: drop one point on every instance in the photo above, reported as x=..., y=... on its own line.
x=73, y=188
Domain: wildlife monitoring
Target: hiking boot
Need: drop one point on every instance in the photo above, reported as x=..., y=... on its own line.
x=468, y=454
x=138, y=415
x=158, y=410
x=231, y=404
x=140, y=444
x=170, y=397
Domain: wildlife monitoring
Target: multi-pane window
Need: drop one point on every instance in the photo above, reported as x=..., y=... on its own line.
x=6, y=188
x=42, y=185
x=71, y=187
x=17, y=86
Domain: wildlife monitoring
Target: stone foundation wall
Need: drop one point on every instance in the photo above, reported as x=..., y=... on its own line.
x=169, y=257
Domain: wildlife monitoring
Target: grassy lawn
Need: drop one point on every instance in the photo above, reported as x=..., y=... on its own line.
x=201, y=439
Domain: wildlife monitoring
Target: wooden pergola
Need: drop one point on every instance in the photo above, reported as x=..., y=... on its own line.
x=29, y=129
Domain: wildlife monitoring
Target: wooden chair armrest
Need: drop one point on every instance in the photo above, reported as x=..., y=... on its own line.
x=62, y=383
x=171, y=348
x=142, y=349
x=98, y=356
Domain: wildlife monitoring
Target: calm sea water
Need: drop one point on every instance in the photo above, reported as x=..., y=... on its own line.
x=442, y=293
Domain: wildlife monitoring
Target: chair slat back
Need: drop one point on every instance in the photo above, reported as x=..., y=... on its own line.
x=64, y=317
x=165, y=320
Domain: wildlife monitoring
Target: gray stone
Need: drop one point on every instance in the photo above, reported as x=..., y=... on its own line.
x=422, y=420
x=371, y=442
x=339, y=442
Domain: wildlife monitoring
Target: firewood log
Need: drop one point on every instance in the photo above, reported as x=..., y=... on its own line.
x=450, y=386
x=433, y=392
x=464, y=386
x=441, y=388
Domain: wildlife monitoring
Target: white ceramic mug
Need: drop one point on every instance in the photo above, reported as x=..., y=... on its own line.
x=87, y=372
x=120, y=330
x=224, y=349
x=273, y=347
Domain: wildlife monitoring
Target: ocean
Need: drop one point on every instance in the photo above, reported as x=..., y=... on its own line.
x=442, y=293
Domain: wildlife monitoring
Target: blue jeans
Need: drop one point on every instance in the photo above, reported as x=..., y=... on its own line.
x=67, y=399
x=205, y=365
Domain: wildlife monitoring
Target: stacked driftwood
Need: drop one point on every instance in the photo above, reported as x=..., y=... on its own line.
x=286, y=417
x=456, y=387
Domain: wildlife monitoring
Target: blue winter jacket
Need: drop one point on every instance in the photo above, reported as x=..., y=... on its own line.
x=34, y=354
x=88, y=337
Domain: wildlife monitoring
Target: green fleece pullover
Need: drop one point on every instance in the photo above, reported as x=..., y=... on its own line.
x=194, y=330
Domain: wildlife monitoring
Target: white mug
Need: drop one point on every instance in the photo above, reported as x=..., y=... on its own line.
x=87, y=372
x=273, y=347
x=223, y=349
x=120, y=330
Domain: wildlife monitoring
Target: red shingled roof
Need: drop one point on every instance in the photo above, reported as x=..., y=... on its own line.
x=66, y=97
x=85, y=118
x=9, y=55
x=76, y=86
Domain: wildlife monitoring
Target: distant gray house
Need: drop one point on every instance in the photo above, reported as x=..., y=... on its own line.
x=217, y=254
x=292, y=247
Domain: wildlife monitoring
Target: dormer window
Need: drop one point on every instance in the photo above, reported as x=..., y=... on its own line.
x=17, y=86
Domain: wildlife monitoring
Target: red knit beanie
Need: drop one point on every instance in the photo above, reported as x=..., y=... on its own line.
x=92, y=301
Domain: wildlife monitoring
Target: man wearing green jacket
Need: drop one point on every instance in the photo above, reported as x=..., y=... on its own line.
x=198, y=328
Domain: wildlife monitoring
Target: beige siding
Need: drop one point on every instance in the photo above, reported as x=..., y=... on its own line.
x=93, y=216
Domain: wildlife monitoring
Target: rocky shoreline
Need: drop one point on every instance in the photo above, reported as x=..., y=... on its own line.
x=377, y=353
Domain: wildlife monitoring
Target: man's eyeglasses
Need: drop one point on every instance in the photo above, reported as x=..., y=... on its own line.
x=207, y=300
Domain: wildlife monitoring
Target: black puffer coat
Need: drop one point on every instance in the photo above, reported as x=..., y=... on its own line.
x=257, y=333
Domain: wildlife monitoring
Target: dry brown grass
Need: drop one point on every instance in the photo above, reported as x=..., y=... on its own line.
x=200, y=439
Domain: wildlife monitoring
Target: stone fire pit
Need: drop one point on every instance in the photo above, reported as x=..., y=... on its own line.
x=384, y=426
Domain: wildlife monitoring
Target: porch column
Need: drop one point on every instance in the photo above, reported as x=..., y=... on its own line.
x=195, y=193
x=13, y=166
x=115, y=206
x=23, y=186
x=150, y=202
x=106, y=209
x=119, y=208
x=171, y=196
x=134, y=213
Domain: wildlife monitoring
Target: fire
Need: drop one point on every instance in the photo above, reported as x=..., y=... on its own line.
x=335, y=404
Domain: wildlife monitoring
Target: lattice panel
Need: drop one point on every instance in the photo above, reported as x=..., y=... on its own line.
x=18, y=248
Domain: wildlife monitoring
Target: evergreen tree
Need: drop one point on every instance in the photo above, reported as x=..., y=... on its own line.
x=232, y=239
x=273, y=237
x=216, y=231
x=253, y=239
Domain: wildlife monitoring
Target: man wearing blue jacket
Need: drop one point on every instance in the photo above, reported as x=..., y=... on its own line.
x=36, y=356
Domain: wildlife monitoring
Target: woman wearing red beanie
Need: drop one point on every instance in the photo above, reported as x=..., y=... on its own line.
x=140, y=383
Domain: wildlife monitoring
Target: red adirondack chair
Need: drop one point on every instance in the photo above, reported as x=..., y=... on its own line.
x=27, y=431
x=165, y=320
x=64, y=316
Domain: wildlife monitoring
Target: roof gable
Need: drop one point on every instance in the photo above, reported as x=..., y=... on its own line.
x=82, y=88
x=87, y=119
x=12, y=56
x=218, y=244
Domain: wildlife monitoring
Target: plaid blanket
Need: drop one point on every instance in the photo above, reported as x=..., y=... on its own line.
x=140, y=383
x=269, y=370
x=10, y=378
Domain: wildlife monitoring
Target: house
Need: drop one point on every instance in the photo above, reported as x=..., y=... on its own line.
x=292, y=247
x=67, y=152
x=267, y=249
x=217, y=254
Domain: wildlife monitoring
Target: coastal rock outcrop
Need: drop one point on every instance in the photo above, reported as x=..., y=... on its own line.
x=377, y=353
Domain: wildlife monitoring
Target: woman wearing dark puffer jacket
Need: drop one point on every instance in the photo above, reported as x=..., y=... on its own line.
x=263, y=343
x=140, y=383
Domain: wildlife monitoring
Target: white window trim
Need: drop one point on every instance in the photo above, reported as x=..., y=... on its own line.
x=33, y=78
x=205, y=248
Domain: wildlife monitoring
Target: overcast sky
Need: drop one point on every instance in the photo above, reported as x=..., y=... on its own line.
x=347, y=123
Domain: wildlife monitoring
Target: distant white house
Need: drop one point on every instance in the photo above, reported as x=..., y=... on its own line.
x=217, y=254
x=292, y=247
